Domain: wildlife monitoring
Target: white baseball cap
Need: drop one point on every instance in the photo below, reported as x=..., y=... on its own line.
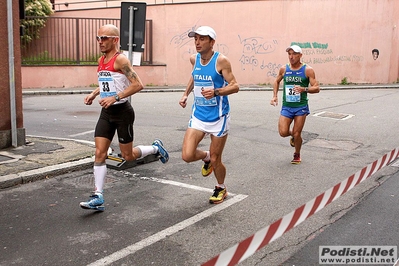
x=295, y=48
x=203, y=31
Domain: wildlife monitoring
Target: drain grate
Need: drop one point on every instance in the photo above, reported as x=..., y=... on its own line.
x=336, y=116
x=89, y=179
x=345, y=145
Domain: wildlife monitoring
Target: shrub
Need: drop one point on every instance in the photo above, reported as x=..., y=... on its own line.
x=39, y=9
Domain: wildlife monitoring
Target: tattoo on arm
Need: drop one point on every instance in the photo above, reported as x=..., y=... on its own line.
x=129, y=73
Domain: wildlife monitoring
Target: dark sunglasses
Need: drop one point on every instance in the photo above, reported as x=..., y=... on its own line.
x=104, y=38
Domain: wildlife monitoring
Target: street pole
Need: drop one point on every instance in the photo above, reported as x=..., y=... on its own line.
x=131, y=21
x=14, y=136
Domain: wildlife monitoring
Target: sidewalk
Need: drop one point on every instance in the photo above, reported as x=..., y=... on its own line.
x=84, y=90
x=44, y=157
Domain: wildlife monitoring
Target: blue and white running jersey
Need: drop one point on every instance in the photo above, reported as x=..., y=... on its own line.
x=207, y=76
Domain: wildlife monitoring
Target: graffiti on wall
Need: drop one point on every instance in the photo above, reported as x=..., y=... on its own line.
x=321, y=53
x=187, y=51
x=375, y=53
x=186, y=45
x=181, y=39
x=253, y=54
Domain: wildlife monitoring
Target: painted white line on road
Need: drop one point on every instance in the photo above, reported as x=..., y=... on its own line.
x=81, y=133
x=92, y=143
x=167, y=232
x=66, y=139
x=179, y=184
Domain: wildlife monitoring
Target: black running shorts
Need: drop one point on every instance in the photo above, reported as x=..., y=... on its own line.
x=119, y=118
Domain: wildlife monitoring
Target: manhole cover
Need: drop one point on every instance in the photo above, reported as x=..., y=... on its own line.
x=90, y=179
x=345, y=145
x=331, y=115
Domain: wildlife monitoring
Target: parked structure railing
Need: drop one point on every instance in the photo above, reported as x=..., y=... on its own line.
x=65, y=40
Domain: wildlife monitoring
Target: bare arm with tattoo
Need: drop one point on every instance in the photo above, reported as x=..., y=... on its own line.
x=122, y=63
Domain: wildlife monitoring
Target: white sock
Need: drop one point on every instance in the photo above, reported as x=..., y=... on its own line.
x=222, y=186
x=207, y=157
x=147, y=150
x=100, y=173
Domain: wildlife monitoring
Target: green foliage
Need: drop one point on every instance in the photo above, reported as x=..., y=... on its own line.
x=36, y=8
x=344, y=81
x=37, y=58
x=92, y=58
x=39, y=8
x=45, y=59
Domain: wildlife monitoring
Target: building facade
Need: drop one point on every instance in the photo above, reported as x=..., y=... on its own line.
x=337, y=37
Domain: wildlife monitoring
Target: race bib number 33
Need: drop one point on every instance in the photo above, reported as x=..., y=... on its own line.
x=107, y=85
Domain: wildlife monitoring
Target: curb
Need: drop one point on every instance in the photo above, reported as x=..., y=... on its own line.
x=44, y=172
x=10, y=180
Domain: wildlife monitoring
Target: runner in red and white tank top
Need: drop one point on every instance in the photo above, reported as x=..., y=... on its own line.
x=110, y=81
x=117, y=81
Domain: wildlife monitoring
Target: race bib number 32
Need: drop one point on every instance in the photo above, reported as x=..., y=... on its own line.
x=290, y=95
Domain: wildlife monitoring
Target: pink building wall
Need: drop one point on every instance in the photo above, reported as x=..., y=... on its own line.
x=337, y=38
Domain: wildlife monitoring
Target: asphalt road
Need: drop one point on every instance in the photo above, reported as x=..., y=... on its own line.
x=372, y=222
x=159, y=214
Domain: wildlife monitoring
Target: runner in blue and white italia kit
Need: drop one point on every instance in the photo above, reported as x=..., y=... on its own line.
x=211, y=82
x=209, y=115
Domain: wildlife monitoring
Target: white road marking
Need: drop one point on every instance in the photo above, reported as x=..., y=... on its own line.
x=178, y=184
x=82, y=133
x=66, y=139
x=129, y=250
x=168, y=231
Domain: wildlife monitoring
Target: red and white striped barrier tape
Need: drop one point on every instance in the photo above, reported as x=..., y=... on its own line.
x=249, y=246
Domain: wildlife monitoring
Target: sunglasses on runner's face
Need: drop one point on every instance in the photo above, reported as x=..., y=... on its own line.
x=104, y=38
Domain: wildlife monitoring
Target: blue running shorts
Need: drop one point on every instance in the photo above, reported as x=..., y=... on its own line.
x=291, y=112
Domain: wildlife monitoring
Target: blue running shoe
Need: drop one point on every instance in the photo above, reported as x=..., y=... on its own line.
x=95, y=203
x=161, y=150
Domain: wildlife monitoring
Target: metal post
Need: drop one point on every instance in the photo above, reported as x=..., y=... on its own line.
x=131, y=21
x=14, y=136
x=130, y=44
x=77, y=41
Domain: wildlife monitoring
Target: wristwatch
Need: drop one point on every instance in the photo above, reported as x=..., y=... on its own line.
x=117, y=98
x=216, y=92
